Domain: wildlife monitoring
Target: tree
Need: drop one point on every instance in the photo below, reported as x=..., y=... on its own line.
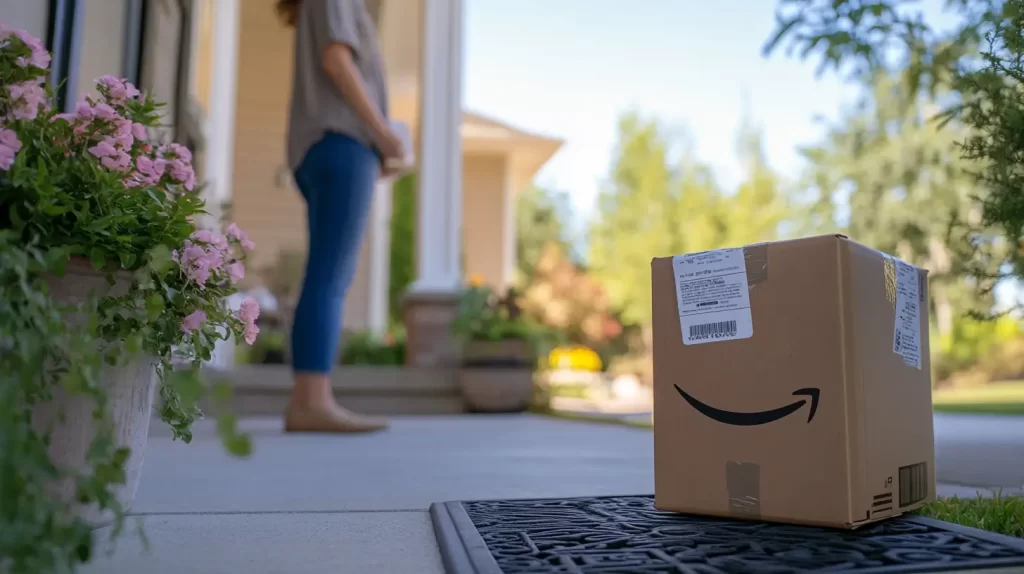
x=541, y=219
x=980, y=60
x=563, y=296
x=908, y=188
x=657, y=205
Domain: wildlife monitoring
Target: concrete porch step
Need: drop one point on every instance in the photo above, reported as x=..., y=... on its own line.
x=264, y=389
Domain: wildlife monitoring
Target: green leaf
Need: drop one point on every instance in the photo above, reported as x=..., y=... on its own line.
x=98, y=258
x=160, y=259
x=133, y=344
x=226, y=424
x=16, y=219
x=239, y=445
x=57, y=261
x=55, y=210
x=127, y=259
x=222, y=392
x=188, y=384
x=154, y=306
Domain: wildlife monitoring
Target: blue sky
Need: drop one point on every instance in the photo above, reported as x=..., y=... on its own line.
x=570, y=68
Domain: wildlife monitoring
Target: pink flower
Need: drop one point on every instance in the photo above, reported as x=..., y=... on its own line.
x=175, y=150
x=182, y=172
x=217, y=240
x=116, y=89
x=85, y=110
x=9, y=147
x=193, y=321
x=69, y=118
x=242, y=237
x=105, y=112
x=250, y=332
x=139, y=131
x=236, y=271
x=123, y=133
x=104, y=148
x=249, y=311
x=149, y=170
x=118, y=162
x=198, y=262
x=28, y=98
x=40, y=57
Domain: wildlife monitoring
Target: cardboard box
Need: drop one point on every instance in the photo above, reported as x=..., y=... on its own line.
x=792, y=383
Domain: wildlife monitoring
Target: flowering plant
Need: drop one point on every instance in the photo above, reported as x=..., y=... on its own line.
x=93, y=185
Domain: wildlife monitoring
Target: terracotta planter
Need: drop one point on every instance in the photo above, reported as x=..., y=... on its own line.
x=130, y=391
x=497, y=376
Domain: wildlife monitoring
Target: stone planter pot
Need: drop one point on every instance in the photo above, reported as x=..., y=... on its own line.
x=496, y=376
x=496, y=390
x=130, y=391
x=508, y=353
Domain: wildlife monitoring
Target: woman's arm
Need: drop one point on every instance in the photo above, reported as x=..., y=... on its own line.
x=339, y=63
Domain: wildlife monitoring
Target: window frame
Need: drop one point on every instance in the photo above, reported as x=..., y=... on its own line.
x=64, y=40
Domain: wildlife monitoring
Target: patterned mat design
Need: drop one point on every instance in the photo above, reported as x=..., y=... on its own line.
x=626, y=535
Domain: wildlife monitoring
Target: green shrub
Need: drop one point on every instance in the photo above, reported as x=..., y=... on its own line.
x=269, y=349
x=974, y=343
x=364, y=348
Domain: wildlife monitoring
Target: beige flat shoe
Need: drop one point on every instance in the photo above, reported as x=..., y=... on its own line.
x=330, y=420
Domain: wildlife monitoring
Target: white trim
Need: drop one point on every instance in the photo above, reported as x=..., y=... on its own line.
x=220, y=136
x=380, y=258
x=439, y=229
x=510, y=196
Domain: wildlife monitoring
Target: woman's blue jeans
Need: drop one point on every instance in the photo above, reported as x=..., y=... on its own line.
x=337, y=178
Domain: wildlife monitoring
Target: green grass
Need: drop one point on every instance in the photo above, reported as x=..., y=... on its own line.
x=997, y=398
x=1001, y=514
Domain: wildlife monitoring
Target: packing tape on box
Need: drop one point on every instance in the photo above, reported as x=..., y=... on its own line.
x=756, y=257
x=889, y=276
x=743, y=483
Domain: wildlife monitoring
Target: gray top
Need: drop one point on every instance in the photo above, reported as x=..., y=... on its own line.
x=317, y=106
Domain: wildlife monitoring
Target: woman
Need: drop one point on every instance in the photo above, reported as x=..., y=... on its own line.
x=339, y=143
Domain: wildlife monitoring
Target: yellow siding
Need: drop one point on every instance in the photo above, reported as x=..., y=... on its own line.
x=483, y=217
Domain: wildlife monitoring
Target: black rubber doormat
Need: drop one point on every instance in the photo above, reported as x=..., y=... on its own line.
x=626, y=535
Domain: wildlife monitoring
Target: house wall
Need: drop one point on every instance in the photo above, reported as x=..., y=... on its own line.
x=31, y=16
x=103, y=43
x=484, y=186
x=264, y=201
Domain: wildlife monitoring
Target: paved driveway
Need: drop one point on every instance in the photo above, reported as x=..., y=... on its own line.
x=980, y=450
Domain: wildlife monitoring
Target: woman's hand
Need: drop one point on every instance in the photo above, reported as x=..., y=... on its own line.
x=391, y=146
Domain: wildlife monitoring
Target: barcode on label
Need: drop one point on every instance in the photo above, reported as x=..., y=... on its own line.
x=913, y=483
x=713, y=330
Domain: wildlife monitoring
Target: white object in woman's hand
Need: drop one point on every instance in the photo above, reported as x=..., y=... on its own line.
x=390, y=146
x=396, y=150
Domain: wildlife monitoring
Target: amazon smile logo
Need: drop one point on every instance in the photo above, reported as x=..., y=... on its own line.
x=758, y=418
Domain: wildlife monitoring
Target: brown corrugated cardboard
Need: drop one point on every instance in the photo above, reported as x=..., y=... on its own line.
x=792, y=383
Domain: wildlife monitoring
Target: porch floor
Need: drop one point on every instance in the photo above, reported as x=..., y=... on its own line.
x=358, y=504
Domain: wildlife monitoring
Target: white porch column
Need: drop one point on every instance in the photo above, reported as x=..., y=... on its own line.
x=220, y=128
x=439, y=226
x=380, y=258
x=220, y=136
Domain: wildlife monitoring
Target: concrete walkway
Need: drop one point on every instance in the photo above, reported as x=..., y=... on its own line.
x=358, y=504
